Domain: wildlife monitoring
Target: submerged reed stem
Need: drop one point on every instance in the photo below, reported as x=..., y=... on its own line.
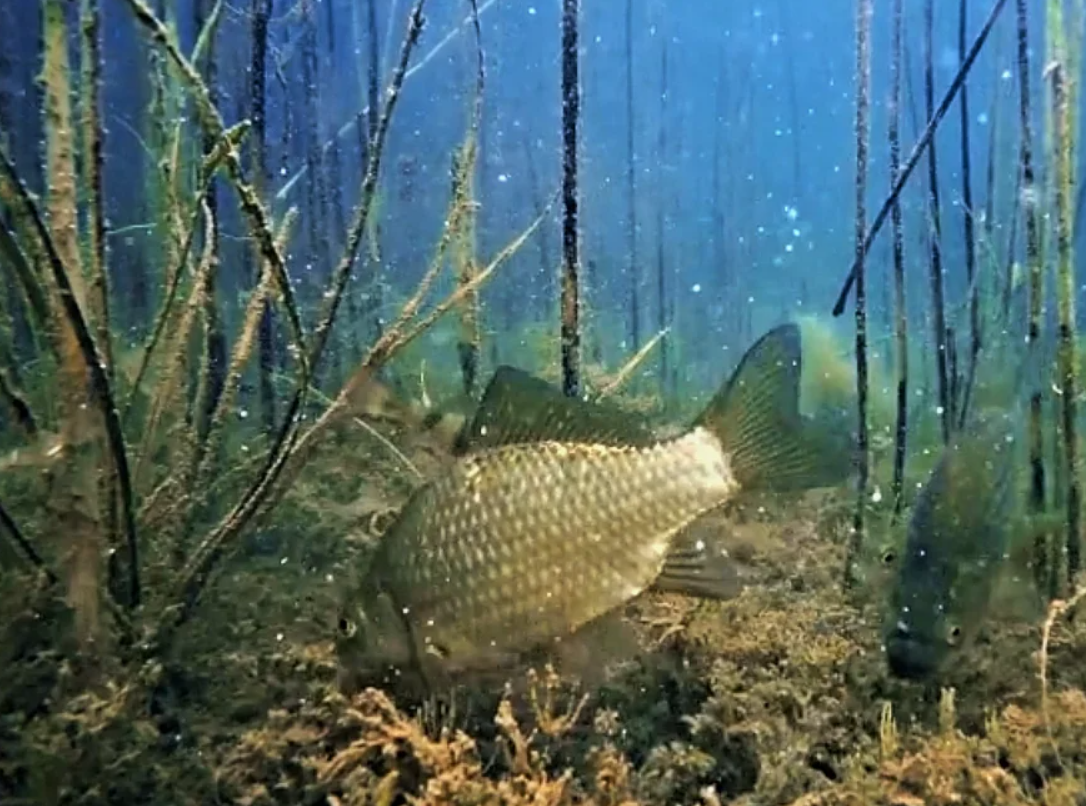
x=935, y=266
x=571, y=267
x=633, y=270
x=1028, y=196
x=1065, y=298
x=919, y=149
x=901, y=320
x=968, y=229
x=863, y=88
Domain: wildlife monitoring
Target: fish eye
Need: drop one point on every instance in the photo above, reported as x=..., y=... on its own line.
x=889, y=556
x=347, y=627
x=953, y=635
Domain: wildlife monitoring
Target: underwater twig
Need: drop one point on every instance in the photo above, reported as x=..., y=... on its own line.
x=919, y=149
x=968, y=229
x=92, y=166
x=901, y=318
x=1065, y=298
x=8, y=525
x=946, y=372
x=661, y=223
x=207, y=555
x=100, y=386
x=260, y=13
x=632, y=266
x=571, y=260
x=342, y=272
x=1056, y=608
x=252, y=207
x=387, y=444
x=628, y=368
x=355, y=119
x=863, y=88
x=1029, y=201
x=464, y=168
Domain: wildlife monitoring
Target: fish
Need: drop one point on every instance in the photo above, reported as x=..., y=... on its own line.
x=968, y=525
x=557, y=511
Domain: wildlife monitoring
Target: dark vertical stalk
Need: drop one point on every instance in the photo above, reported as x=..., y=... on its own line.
x=863, y=87
x=571, y=110
x=90, y=26
x=260, y=11
x=1036, y=290
x=968, y=228
x=936, y=255
x=214, y=347
x=633, y=271
x=661, y=225
x=373, y=91
x=901, y=320
x=1065, y=298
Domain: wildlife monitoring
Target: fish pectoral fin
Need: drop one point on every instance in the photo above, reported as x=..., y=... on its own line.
x=699, y=565
x=756, y=417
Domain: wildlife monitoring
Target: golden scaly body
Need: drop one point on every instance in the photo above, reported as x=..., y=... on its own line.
x=525, y=543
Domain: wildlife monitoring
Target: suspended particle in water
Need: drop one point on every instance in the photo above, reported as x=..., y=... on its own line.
x=696, y=288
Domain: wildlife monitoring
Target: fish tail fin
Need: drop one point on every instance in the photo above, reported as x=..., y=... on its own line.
x=757, y=420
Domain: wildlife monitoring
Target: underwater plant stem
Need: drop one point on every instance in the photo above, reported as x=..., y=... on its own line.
x=251, y=206
x=341, y=275
x=571, y=110
x=628, y=368
x=863, y=89
x=8, y=524
x=363, y=114
x=943, y=373
x=90, y=26
x=968, y=228
x=1028, y=198
x=901, y=319
x=193, y=577
x=1065, y=298
x=99, y=381
x=260, y=12
x=468, y=345
x=632, y=268
x=919, y=149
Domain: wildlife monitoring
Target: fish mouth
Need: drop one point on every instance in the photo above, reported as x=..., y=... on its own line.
x=909, y=659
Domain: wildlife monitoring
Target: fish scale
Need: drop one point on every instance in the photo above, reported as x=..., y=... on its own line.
x=518, y=579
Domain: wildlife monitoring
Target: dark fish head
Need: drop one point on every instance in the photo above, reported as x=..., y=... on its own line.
x=918, y=644
x=372, y=643
x=957, y=538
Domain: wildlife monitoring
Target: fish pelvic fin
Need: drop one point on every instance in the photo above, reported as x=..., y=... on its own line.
x=698, y=565
x=756, y=417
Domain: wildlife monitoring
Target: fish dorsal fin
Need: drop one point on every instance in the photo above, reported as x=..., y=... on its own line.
x=756, y=417
x=517, y=407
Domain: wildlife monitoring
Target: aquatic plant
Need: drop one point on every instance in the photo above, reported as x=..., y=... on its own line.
x=1042, y=559
x=863, y=83
x=901, y=319
x=571, y=258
